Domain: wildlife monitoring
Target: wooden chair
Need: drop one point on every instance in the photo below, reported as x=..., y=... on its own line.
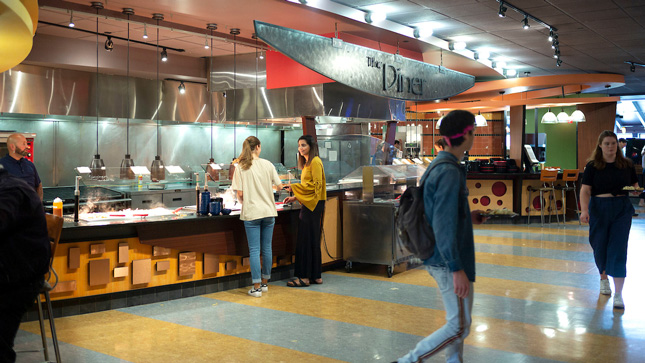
x=547, y=177
x=570, y=175
x=54, y=230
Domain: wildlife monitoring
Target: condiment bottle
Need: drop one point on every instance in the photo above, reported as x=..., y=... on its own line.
x=58, y=207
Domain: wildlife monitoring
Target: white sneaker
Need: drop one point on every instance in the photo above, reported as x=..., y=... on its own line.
x=618, y=302
x=255, y=292
x=605, y=289
x=264, y=287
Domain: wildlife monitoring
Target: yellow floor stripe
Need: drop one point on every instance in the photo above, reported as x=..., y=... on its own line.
x=552, y=294
x=569, y=345
x=139, y=339
x=582, y=231
x=533, y=243
x=536, y=263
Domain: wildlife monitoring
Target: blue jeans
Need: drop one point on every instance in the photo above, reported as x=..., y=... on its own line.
x=259, y=234
x=610, y=220
x=458, y=318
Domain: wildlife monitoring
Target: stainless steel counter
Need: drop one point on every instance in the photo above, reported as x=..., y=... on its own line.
x=369, y=234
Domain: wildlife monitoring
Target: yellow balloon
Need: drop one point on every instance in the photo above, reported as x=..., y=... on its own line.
x=18, y=21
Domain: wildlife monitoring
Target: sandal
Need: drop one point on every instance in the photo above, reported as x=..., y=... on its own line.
x=316, y=282
x=297, y=283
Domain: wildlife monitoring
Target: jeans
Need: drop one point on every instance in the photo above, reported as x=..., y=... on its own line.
x=458, y=318
x=610, y=220
x=259, y=234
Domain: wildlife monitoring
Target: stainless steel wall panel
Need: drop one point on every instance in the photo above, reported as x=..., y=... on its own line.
x=278, y=103
x=246, y=69
x=344, y=101
x=50, y=91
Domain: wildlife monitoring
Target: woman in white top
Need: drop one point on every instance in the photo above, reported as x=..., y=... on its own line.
x=253, y=180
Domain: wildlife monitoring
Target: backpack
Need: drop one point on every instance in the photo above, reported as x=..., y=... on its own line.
x=413, y=232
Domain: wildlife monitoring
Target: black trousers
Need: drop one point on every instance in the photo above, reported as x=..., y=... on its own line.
x=308, y=257
x=14, y=303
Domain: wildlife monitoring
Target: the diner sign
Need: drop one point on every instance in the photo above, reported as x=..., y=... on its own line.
x=365, y=69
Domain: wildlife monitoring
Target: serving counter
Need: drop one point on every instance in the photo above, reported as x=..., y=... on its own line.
x=509, y=190
x=102, y=257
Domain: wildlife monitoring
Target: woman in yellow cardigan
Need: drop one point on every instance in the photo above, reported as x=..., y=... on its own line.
x=311, y=192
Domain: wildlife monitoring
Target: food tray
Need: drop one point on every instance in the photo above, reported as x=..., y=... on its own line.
x=497, y=213
x=632, y=189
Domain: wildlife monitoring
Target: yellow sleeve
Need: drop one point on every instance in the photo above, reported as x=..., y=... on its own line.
x=312, y=187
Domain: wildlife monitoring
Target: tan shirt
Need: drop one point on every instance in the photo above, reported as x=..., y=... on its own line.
x=256, y=185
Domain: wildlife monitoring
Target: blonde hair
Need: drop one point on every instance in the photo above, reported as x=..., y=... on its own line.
x=245, y=160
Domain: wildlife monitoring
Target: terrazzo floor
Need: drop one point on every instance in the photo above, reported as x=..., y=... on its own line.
x=536, y=300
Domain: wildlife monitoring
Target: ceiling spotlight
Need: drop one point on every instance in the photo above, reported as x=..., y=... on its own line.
x=457, y=46
x=558, y=62
x=182, y=88
x=555, y=43
x=550, y=35
x=261, y=55
x=482, y=54
x=502, y=10
x=375, y=16
x=632, y=68
x=71, y=19
x=164, y=55
x=556, y=54
x=525, y=22
x=109, y=44
x=422, y=30
x=206, y=43
x=145, y=32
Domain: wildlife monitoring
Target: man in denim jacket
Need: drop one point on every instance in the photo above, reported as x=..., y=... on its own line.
x=452, y=265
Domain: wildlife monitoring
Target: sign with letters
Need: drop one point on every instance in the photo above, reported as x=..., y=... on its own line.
x=365, y=69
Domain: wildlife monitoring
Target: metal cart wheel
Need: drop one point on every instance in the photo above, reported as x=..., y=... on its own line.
x=348, y=266
x=390, y=271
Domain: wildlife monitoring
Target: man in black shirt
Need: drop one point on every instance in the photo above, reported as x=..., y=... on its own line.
x=16, y=163
x=24, y=255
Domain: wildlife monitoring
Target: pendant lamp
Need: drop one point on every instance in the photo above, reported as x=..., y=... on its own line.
x=480, y=121
x=234, y=32
x=97, y=166
x=563, y=117
x=125, y=171
x=157, y=170
x=210, y=172
x=578, y=116
x=549, y=118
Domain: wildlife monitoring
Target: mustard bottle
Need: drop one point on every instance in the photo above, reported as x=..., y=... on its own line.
x=58, y=207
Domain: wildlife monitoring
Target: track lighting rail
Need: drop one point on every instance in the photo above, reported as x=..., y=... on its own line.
x=109, y=35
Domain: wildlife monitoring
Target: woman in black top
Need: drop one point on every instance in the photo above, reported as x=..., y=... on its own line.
x=608, y=210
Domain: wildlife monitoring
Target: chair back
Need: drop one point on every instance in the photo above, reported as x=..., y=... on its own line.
x=570, y=175
x=548, y=176
x=54, y=230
